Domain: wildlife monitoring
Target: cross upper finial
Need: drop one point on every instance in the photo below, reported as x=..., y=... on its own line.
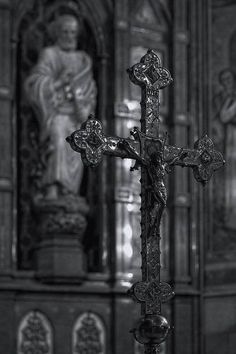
x=151, y=76
x=149, y=72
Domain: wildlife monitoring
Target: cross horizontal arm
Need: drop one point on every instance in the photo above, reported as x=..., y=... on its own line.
x=92, y=143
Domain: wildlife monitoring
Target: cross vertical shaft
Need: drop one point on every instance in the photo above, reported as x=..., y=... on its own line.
x=151, y=77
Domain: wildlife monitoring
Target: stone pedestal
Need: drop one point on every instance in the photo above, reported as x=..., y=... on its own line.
x=59, y=256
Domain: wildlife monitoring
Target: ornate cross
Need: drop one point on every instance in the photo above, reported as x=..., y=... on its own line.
x=155, y=158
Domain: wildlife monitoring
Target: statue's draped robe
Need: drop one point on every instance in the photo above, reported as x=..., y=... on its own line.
x=59, y=116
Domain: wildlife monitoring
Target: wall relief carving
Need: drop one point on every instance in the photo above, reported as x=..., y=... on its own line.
x=35, y=334
x=89, y=335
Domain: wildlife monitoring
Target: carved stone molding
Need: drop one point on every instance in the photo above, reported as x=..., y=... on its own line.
x=64, y=215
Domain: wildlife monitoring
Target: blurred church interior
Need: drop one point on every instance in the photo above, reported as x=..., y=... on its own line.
x=70, y=235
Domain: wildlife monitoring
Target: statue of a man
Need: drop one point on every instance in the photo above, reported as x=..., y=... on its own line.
x=62, y=91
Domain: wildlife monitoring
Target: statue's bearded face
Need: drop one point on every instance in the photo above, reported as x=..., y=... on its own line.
x=68, y=32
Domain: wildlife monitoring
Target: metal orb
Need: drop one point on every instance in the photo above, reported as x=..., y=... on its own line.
x=151, y=329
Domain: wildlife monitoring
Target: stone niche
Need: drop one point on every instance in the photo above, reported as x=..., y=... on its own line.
x=53, y=217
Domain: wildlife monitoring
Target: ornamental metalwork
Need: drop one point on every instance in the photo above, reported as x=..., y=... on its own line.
x=88, y=335
x=155, y=158
x=35, y=335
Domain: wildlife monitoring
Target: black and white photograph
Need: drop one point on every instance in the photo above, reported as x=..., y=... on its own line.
x=117, y=177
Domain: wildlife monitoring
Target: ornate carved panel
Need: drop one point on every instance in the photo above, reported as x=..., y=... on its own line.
x=89, y=335
x=35, y=334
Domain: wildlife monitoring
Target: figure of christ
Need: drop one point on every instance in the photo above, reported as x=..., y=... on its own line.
x=62, y=91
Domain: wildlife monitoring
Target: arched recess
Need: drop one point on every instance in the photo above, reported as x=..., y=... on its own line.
x=30, y=33
x=35, y=334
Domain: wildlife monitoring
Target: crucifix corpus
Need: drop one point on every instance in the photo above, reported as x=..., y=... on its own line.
x=155, y=158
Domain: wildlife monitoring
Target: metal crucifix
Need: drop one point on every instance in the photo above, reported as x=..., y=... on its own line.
x=155, y=158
